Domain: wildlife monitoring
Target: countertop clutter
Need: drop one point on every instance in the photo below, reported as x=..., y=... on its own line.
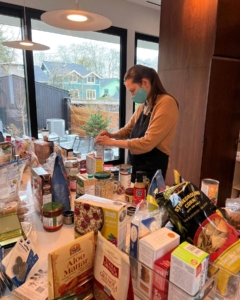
x=74, y=228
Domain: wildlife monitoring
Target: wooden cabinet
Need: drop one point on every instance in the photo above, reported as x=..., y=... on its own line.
x=236, y=177
x=199, y=64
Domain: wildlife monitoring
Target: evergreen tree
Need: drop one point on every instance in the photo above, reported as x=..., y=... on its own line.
x=95, y=124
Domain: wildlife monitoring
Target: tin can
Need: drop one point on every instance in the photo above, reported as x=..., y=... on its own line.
x=210, y=188
x=129, y=195
x=125, y=175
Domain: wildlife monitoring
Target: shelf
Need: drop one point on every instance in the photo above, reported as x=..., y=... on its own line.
x=236, y=187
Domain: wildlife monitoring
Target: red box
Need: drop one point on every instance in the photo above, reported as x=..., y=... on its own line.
x=160, y=282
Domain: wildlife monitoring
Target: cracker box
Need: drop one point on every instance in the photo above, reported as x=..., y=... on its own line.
x=41, y=187
x=161, y=277
x=189, y=267
x=107, y=216
x=70, y=267
x=94, y=163
x=152, y=247
x=85, y=185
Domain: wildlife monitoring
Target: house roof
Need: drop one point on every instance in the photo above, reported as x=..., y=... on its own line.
x=40, y=76
x=107, y=80
x=66, y=68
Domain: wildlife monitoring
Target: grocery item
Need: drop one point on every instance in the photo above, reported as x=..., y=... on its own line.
x=42, y=187
x=43, y=150
x=92, y=213
x=85, y=184
x=129, y=195
x=52, y=216
x=139, y=190
x=210, y=188
x=104, y=185
x=189, y=267
x=125, y=172
x=112, y=279
x=94, y=163
x=70, y=268
x=151, y=248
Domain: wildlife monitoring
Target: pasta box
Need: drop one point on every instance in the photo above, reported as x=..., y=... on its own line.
x=92, y=213
x=70, y=267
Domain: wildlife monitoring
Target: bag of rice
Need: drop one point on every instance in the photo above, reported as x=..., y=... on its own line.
x=112, y=276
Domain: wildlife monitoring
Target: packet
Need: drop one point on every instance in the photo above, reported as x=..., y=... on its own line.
x=229, y=265
x=196, y=219
x=60, y=188
x=157, y=185
x=231, y=212
x=112, y=276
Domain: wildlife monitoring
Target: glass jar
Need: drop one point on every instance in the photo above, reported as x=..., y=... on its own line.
x=129, y=195
x=104, y=185
x=52, y=216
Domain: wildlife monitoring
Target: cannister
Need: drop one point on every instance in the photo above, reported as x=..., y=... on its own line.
x=125, y=175
x=104, y=185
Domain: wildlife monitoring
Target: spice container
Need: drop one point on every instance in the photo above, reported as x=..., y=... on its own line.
x=52, y=216
x=68, y=217
x=129, y=195
x=104, y=185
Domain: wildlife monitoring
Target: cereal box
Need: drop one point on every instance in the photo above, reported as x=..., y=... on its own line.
x=70, y=267
x=152, y=247
x=189, y=267
x=96, y=213
x=85, y=185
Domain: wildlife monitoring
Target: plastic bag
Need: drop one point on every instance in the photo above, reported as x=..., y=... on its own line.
x=60, y=187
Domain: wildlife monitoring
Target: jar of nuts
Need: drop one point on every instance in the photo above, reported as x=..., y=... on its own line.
x=104, y=185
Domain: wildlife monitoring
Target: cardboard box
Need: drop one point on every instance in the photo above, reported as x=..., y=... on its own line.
x=70, y=267
x=67, y=151
x=85, y=185
x=41, y=187
x=151, y=248
x=43, y=150
x=189, y=267
x=94, y=164
x=161, y=277
x=95, y=213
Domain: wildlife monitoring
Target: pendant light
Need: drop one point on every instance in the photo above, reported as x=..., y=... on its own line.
x=76, y=20
x=25, y=44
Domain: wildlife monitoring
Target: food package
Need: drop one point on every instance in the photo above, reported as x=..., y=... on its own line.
x=112, y=278
x=231, y=212
x=94, y=163
x=228, y=277
x=42, y=187
x=92, y=213
x=43, y=150
x=194, y=216
x=70, y=268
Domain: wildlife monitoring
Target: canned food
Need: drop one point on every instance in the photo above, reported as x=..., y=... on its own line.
x=125, y=175
x=129, y=195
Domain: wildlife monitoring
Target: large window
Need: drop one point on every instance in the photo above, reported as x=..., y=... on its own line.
x=14, y=117
x=66, y=82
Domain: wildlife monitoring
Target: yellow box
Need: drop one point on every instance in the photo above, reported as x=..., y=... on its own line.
x=107, y=216
x=70, y=267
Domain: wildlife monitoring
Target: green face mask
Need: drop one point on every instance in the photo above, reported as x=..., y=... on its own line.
x=140, y=96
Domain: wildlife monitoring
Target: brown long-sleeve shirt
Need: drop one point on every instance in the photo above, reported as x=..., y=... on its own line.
x=161, y=129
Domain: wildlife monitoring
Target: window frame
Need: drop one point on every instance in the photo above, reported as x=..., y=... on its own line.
x=14, y=10
x=91, y=82
x=90, y=91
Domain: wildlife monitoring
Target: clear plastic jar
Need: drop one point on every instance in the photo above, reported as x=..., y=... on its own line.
x=104, y=185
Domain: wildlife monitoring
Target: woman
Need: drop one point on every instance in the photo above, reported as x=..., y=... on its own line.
x=149, y=133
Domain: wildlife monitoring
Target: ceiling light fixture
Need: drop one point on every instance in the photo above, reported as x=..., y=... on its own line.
x=25, y=44
x=76, y=20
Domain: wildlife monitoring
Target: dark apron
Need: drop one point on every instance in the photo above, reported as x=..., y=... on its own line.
x=151, y=161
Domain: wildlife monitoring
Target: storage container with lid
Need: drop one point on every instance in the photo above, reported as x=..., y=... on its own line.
x=104, y=185
x=52, y=216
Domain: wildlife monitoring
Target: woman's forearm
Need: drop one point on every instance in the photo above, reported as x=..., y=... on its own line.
x=120, y=144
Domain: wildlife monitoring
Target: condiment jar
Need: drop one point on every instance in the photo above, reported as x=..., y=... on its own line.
x=104, y=185
x=52, y=216
x=139, y=190
x=129, y=195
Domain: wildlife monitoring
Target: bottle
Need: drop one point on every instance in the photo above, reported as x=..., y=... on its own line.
x=139, y=189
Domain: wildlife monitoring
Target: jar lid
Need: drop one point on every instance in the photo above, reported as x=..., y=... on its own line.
x=102, y=175
x=52, y=206
x=83, y=171
x=129, y=191
x=90, y=176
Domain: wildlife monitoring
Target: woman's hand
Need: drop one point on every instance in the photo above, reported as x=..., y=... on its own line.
x=104, y=140
x=104, y=132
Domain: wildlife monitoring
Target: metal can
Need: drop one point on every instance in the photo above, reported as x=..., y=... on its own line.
x=52, y=216
x=125, y=175
x=129, y=195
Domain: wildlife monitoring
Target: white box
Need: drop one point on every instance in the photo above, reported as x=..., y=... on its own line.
x=189, y=267
x=94, y=164
x=151, y=248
